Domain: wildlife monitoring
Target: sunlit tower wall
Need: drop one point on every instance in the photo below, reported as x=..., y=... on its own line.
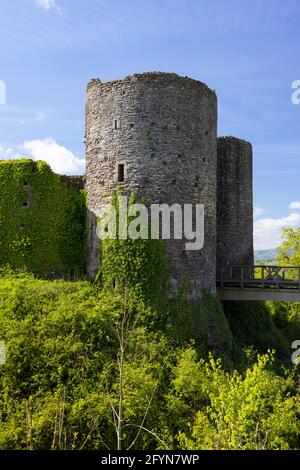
x=155, y=134
x=235, y=203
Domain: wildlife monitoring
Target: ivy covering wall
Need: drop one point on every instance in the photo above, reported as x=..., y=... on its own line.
x=139, y=265
x=42, y=219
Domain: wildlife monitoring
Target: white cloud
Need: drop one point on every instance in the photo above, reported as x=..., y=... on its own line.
x=295, y=205
x=60, y=159
x=267, y=231
x=48, y=5
x=258, y=211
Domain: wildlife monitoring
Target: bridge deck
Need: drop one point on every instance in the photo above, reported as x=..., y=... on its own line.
x=277, y=283
x=257, y=294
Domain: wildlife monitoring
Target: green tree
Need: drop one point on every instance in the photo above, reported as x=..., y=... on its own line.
x=286, y=315
x=216, y=409
x=289, y=254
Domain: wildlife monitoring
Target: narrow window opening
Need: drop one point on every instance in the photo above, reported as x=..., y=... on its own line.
x=131, y=125
x=120, y=173
x=116, y=124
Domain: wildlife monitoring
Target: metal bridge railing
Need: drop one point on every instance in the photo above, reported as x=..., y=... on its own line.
x=278, y=277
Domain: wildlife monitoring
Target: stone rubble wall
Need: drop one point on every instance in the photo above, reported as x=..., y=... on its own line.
x=235, y=203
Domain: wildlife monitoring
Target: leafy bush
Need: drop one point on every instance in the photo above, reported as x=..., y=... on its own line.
x=60, y=386
x=252, y=324
x=257, y=410
x=286, y=317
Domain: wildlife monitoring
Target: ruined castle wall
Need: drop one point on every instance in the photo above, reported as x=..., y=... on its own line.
x=42, y=219
x=235, y=203
x=162, y=128
x=74, y=182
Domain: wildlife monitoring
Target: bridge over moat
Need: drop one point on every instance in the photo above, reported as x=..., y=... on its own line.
x=247, y=283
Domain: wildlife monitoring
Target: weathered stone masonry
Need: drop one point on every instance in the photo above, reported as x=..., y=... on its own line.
x=157, y=133
x=235, y=203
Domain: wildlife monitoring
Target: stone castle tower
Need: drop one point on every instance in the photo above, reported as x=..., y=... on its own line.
x=156, y=134
x=234, y=203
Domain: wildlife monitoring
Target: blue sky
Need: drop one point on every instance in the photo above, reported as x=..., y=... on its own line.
x=247, y=50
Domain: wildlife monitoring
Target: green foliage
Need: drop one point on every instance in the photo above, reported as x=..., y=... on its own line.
x=61, y=380
x=286, y=317
x=222, y=410
x=251, y=324
x=289, y=254
x=137, y=266
x=202, y=321
x=47, y=236
x=78, y=355
x=61, y=353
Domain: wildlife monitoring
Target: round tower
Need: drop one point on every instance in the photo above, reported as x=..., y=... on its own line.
x=235, y=203
x=155, y=134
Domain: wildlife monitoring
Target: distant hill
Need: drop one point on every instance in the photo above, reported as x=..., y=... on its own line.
x=263, y=256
